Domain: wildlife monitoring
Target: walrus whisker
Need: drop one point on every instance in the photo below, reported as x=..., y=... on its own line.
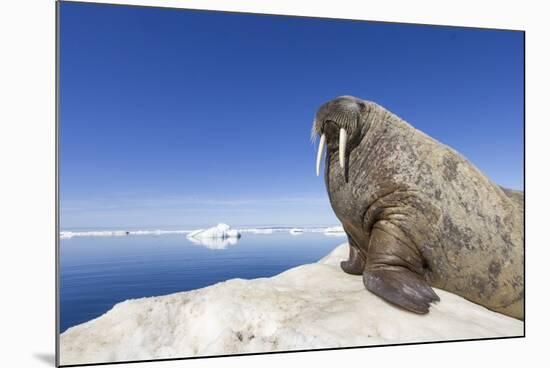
x=342, y=147
x=320, y=153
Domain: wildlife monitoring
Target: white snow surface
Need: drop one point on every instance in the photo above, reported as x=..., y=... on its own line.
x=307, y=307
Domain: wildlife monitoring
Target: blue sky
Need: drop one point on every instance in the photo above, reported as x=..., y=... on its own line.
x=177, y=118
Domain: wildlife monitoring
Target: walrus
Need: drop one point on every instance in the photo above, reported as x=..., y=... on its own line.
x=418, y=214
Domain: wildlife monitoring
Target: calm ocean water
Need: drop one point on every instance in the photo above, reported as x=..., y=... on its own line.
x=98, y=272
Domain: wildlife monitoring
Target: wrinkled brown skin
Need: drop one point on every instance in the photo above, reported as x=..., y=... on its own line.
x=417, y=214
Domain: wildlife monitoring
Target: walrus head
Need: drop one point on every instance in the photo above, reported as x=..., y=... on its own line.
x=340, y=123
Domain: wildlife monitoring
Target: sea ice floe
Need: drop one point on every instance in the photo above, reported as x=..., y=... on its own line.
x=215, y=231
x=296, y=231
x=334, y=231
x=258, y=231
x=71, y=234
x=307, y=307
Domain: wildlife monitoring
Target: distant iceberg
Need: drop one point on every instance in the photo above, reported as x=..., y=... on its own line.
x=258, y=231
x=296, y=231
x=71, y=234
x=334, y=231
x=220, y=231
x=218, y=237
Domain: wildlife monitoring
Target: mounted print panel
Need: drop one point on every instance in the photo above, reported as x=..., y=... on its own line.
x=234, y=183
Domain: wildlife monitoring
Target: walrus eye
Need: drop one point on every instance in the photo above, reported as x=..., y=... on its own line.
x=342, y=147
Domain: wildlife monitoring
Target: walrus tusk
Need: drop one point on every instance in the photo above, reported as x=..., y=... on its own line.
x=320, y=152
x=342, y=147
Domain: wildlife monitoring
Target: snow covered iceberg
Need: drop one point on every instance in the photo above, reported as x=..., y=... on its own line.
x=220, y=231
x=308, y=307
x=217, y=237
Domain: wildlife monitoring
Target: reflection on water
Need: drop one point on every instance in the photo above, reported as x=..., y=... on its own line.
x=214, y=243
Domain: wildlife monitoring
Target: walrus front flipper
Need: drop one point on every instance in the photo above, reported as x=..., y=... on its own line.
x=394, y=273
x=355, y=265
x=402, y=287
